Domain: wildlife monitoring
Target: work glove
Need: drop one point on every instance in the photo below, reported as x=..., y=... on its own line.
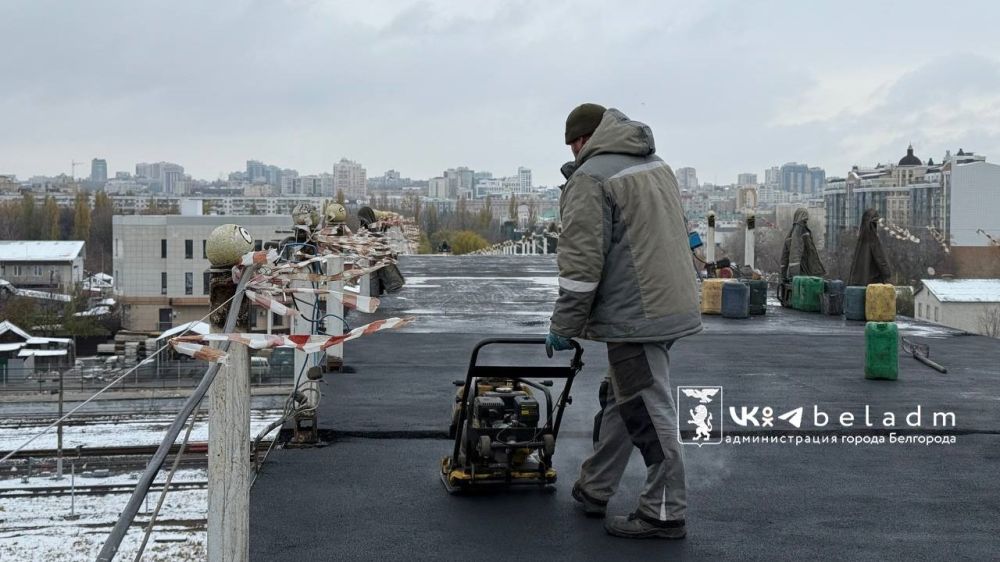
x=555, y=342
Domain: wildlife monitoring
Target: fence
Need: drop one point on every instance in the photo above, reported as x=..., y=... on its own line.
x=165, y=374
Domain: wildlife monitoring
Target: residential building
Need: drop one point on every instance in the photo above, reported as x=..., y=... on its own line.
x=49, y=265
x=957, y=201
x=524, y=179
x=687, y=178
x=772, y=177
x=99, y=170
x=800, y=178
x=161, y=176
x=746, y=179
x=962, y=304
x=161, y=269
x=971, y=199
x=349, y=177
x=437, y=188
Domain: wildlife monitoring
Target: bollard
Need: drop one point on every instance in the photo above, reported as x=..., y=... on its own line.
x=748, y=242
x=710, y=239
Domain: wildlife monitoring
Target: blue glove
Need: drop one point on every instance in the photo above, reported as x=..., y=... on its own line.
x=555, y=342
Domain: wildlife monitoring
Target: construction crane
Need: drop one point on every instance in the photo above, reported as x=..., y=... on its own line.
x=72, y=168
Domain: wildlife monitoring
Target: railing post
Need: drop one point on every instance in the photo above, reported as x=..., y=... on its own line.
x=748, y=244
x=228, y=440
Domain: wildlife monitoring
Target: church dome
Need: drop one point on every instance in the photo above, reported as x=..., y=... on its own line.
x=910, y=159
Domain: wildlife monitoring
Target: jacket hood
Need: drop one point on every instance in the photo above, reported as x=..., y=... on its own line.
x=801, y=215
x=869, y=224
x=869, y=218
x=617, y=134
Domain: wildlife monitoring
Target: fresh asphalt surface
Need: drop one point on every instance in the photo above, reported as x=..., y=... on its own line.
x=373, y=493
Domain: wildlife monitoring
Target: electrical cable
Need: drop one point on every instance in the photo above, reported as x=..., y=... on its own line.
x=127, y=515
x=166, y=486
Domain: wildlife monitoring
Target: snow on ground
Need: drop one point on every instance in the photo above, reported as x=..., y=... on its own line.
x=37, y=528
x=135, y=430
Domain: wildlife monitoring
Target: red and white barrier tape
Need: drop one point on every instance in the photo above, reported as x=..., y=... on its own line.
x=192, y=345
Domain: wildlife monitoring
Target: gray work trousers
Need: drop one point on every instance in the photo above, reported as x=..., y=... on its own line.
x=638, y=411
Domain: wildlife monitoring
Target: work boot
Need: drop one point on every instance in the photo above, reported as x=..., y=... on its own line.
x=591, y=507
x=635, y=526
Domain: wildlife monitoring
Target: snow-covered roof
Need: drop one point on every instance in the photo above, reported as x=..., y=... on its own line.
x=36, y=340
x=200, y=328
x=40, y=250
x=8, y=326
x=95, y=311
x=10, y=346
x=41, y=352
x=964, y=290
x=99, y=281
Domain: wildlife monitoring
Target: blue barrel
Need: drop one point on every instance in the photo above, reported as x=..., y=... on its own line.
x=758, y=296
x=735, y=300
x=854, y=302
x=833, y=287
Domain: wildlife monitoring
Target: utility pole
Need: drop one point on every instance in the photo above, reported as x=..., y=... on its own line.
x=229, y=434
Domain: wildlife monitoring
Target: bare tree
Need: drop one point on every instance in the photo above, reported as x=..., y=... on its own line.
x=989, y=321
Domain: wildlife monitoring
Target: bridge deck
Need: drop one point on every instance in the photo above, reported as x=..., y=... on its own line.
x=374, y=492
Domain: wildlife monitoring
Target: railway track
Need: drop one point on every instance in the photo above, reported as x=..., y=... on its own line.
x=92, y=489
x=195, y=448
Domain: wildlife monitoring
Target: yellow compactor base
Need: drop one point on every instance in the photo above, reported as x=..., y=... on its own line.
x=457, y=480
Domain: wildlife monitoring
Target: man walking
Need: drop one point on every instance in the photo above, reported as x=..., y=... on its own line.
x=625, y=278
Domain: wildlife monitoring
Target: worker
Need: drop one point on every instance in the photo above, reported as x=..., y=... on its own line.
x=799, y=256
x=870, y=264
x=625, y=279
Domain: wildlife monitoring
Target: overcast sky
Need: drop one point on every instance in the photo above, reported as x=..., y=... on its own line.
x=727, y=87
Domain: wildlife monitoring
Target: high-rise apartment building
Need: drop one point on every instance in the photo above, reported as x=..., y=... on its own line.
x=351, y=178
x=746, y=179
x=162, y=176
x=800, y=178
x=687, y=178
x=99, y=170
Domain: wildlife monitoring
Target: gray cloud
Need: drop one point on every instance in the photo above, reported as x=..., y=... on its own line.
x=421, y=86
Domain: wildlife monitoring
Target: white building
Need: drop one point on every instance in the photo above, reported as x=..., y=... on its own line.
x=50, y=264
x=524, y=179
x=351, y=178
x=160, y=267
x=687, y=178
x=962, y=304
x=972, y=191
x=164, y=175
x=437, y=188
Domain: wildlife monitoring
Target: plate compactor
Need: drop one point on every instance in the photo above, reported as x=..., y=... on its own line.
x=501, y=436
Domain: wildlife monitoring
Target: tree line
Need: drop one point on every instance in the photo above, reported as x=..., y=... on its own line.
x=86, y=220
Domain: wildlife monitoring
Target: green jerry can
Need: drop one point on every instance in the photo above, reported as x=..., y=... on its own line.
x=806, y=293
x=881, y=350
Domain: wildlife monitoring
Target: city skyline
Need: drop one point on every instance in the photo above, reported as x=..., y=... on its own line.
x=188, y=89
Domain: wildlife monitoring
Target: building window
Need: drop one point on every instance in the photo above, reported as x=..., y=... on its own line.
x=276, y=320
x=38, y=271
x=204, y=250
x=163, y=282
x=189, y=283
x=163, y=248
x=935, y=314
x=189, y=249
x=206, y=282
x=920, y=309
